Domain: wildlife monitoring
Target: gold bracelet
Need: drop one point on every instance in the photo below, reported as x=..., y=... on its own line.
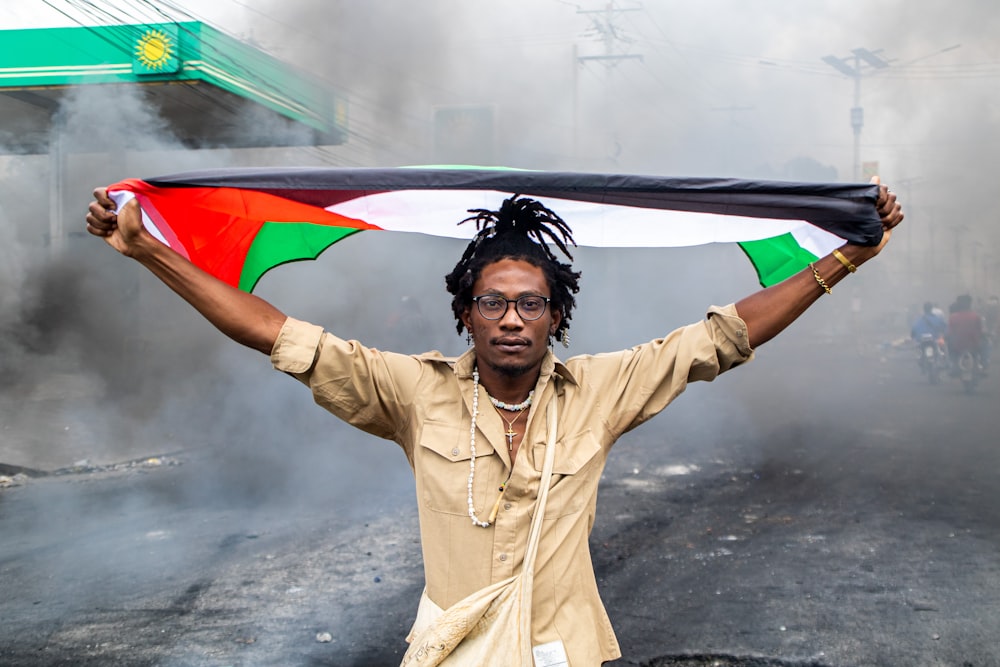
x=819, y=279
x=843, y=260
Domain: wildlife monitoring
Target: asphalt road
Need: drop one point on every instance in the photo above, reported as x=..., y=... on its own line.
x=833, y=511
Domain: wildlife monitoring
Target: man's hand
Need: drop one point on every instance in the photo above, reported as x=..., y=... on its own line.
x=891, y=213
x=769, y=311
x=247, y=319
x=889, y=210
x=122, y=230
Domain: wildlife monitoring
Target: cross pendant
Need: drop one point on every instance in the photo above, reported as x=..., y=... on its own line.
x=511, y=434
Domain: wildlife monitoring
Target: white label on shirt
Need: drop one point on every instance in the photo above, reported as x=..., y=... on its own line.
x=552, y=654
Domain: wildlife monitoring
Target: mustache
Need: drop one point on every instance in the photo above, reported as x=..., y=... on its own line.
x=511, y=340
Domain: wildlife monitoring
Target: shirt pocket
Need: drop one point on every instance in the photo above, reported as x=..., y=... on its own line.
x=576, y=472
x=442, y=470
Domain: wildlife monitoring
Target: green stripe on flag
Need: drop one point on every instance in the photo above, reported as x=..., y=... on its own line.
x=777, y=258
x=282, y=242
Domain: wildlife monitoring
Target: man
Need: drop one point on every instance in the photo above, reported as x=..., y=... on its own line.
x=474, y=429
x=929, y=323
x=928, y=332
x=966, y=330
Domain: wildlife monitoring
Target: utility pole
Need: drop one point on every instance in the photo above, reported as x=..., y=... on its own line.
x=855, y=66
x=603, y=23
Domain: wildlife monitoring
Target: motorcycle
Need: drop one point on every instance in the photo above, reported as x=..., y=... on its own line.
x=970, y=370
x=933, y=358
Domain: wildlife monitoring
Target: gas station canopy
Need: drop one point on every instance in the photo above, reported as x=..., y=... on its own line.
x=211, y=90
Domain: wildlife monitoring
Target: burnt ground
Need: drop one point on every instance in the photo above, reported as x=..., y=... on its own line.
x=835, y=512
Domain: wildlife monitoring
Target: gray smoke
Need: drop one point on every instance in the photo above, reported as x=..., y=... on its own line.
x=726, y=90
x=106, y=365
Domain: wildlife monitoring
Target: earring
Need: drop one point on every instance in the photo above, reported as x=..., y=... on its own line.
x=468, y=337
x=565, y=339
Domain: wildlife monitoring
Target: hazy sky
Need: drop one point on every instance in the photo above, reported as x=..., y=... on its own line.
x=723, y=87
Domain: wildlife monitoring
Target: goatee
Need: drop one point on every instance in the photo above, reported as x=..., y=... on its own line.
x=511, y=370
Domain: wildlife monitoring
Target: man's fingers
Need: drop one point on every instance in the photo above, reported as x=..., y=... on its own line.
x=99, y=216
x=883, y=195
x=101, y=196
x=102, y=218
x=99, y=224
x=891, y=212
x=886, y=203
x=897, y=215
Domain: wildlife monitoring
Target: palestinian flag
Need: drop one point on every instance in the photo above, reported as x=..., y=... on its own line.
x=239, y=223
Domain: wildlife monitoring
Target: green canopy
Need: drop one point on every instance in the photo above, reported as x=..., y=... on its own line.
x=205, y=84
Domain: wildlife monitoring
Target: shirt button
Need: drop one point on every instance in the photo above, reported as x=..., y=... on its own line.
x=506, y=506
x=739, y=333
x=454, y=452
x=502, y=557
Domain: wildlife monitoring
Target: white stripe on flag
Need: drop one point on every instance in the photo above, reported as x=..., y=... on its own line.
x=437, y=212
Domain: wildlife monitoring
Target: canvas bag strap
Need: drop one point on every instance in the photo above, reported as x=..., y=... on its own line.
x=527, y=579
x=543, y=488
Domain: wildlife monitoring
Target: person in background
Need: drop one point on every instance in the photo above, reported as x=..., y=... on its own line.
x=966, y=330
x=930, y=323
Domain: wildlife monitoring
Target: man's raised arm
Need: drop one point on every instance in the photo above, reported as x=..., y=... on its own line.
x=245, y=318
x=770, y=310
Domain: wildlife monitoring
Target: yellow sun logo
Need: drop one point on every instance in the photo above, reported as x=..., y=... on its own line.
x=154, y=50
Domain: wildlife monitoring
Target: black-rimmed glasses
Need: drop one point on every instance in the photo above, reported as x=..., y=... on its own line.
x=528, y=307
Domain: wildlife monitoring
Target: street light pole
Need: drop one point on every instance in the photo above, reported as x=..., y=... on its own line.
x=861, y=58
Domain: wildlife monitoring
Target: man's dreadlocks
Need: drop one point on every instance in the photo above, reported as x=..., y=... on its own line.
x=517, y=231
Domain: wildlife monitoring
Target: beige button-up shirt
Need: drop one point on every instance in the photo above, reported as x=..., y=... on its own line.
x=424, y=403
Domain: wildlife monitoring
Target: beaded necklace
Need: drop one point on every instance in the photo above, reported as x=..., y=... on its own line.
x=476, y=521
x=513, y=407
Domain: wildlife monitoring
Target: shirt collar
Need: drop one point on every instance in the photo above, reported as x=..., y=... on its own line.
x=550, y=366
